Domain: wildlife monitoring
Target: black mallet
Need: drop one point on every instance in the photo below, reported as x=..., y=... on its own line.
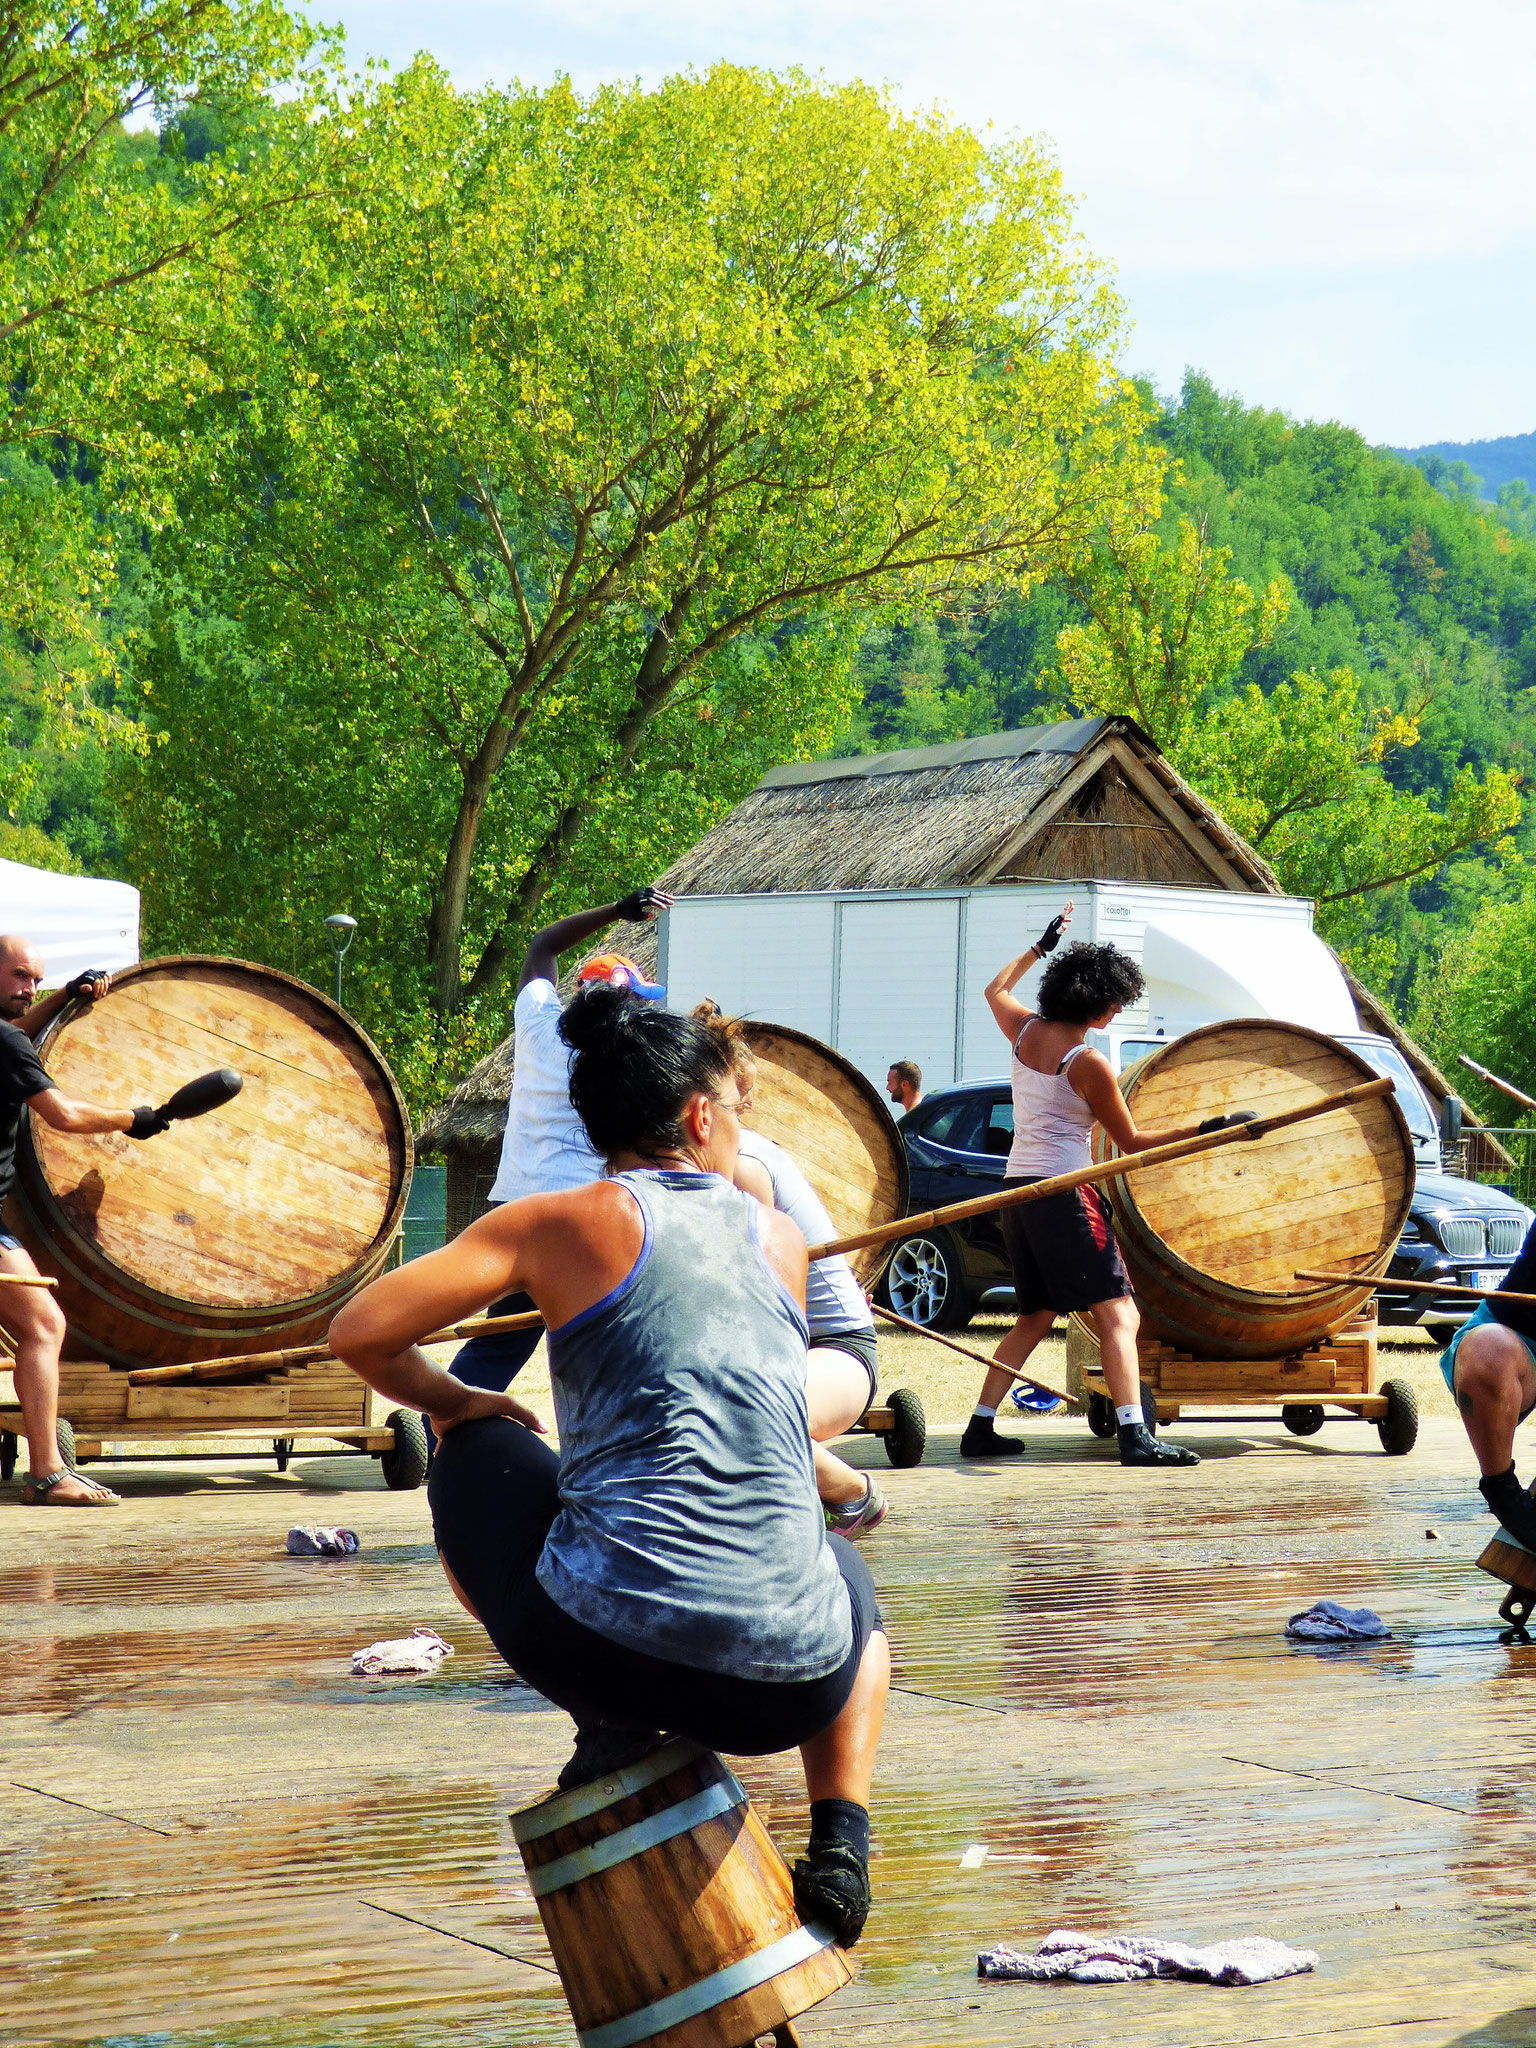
x=196, y=1098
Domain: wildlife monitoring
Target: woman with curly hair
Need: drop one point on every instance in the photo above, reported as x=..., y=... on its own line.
x=1062, y=1248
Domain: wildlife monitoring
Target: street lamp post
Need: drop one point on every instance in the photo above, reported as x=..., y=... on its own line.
x=341, y=929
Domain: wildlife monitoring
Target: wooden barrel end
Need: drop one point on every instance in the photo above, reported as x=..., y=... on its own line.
x=1505, y=1559
x=669, y=1911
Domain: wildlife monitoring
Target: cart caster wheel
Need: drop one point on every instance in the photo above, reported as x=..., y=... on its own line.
x=1101, y=1415
x=1303, y=1419
x=282, y=1450
x=405, y=1466
x=1399, y=1427
x=7, y=1454
x=66, y=1441
x=908, y=1432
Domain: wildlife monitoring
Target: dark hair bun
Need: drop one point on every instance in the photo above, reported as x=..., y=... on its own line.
x=636, y=1065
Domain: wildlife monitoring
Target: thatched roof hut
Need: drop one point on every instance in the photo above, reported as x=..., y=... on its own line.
x=1088, y=798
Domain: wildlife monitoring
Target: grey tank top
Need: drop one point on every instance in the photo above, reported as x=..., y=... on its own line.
x=689, y=1526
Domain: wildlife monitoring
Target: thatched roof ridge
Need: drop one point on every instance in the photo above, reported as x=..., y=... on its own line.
x=932, y=817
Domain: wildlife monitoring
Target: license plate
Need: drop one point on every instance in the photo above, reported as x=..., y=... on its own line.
x=1487, y=1276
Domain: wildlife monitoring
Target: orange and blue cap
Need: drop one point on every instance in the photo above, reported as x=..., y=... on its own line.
x=619, y=971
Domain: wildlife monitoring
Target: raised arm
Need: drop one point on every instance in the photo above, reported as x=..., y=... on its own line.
x=90, y=987
x=542, y=960
x=1012, y=1015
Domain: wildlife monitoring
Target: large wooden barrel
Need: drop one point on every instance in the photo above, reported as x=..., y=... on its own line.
x=668, y=1909
x=244, y=1230
x=833, y=1123
x=1212, y=1243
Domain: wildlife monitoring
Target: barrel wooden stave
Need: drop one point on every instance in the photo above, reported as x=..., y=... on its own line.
x=236, y=1231
x=675, y=1914
x=1212, y=1243
x=832, y=1122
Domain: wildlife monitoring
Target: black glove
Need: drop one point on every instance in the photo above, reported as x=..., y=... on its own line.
x=1050, y=938
x=1225, y=1123
x=84, y=983
x=639, y=905
x=148, y=1123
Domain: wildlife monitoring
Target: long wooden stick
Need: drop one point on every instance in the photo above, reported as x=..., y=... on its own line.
x=1110, y=1169
x=313, y=1354
x=1423, y=1287
x=889, y=1315
x=27, y=1280
x=1506, y=1087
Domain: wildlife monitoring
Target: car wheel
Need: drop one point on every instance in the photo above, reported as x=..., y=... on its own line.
x=1441, y=1333
x=925, y=1282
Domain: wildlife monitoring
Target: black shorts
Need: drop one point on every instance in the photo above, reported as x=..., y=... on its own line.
x=9, y=1243
x=494, y=1498
x=1062, y=1250
x=860, y=1344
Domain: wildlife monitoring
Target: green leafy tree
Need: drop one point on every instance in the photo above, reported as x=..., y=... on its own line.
x=1480, y=998
x=557, y=481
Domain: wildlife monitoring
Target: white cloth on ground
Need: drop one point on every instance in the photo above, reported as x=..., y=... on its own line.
x=1327, y=1622
x=414, y=1656
x=544, y=1148
x=314, y=1541
x=1090, y=1959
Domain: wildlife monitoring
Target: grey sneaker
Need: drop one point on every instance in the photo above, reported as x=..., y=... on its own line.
x=857, y=1517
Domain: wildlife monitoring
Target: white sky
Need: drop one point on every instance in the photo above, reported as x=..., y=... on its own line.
x=1329, y=206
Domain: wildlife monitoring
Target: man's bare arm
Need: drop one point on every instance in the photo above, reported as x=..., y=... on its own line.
x=542, y=960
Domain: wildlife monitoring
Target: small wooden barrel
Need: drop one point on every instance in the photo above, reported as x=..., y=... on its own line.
x=243, y=1230
x=669, y=1911
x=822, y=1110
x=1212, y=1243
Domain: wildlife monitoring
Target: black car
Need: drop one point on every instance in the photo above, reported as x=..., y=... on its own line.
x=1459, y=1232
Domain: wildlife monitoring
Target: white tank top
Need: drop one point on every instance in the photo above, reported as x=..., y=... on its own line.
x=1052, y=1125
x=834, y=1300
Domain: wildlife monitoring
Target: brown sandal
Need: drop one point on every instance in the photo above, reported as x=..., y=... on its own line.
x=35, y=1491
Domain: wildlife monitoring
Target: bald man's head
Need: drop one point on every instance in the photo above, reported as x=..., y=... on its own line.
x=21, y=974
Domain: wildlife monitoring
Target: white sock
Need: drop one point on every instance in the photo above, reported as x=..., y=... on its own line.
x=986, y=1413
x=1129, y=1415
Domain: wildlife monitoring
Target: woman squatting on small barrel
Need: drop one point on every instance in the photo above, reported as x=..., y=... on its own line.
x=670, y=1570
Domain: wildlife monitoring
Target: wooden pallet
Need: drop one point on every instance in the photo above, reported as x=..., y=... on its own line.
x=1340, y=1373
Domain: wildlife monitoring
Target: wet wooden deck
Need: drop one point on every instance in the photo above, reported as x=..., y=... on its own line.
x=210, y=1832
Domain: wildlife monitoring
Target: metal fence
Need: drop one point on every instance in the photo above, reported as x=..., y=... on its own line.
x=1519, y=1180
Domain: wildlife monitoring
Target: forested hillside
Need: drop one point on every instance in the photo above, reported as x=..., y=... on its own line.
x=1424, y=597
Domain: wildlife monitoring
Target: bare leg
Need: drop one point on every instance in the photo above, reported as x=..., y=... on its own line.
x=1116, y=1324
x=840, y=1761
x=836, y=1395
x=1495, y=1386
x=36, y=1323
x=1014, y=1350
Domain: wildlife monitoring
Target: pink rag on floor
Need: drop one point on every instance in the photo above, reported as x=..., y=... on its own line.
x=1092, y=1959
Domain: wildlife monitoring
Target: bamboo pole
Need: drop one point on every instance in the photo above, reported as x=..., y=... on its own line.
x=1494, y=1081
x=27, y=1280
x=1110, y=1169
x=312, y=1354
x=889, y=1315
x=1424, y=1287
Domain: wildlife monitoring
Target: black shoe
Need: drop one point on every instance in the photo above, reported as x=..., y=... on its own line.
x=1138, y=1446
x=1512, y=1504
x=832, y=1886
x=981, y=1440
x=601, y=1750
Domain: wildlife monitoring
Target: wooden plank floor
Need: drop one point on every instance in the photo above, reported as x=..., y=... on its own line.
x=211, y=1833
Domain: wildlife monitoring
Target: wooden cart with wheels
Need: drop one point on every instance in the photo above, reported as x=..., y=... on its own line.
x=1337, y=1378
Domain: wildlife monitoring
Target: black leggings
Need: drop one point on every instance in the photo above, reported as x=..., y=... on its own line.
x=494, y=1499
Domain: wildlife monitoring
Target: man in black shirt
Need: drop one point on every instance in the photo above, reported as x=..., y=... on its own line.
x=31, y=1316
x=1490, y=1368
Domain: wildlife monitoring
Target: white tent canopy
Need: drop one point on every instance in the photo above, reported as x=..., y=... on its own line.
x=75, y=921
